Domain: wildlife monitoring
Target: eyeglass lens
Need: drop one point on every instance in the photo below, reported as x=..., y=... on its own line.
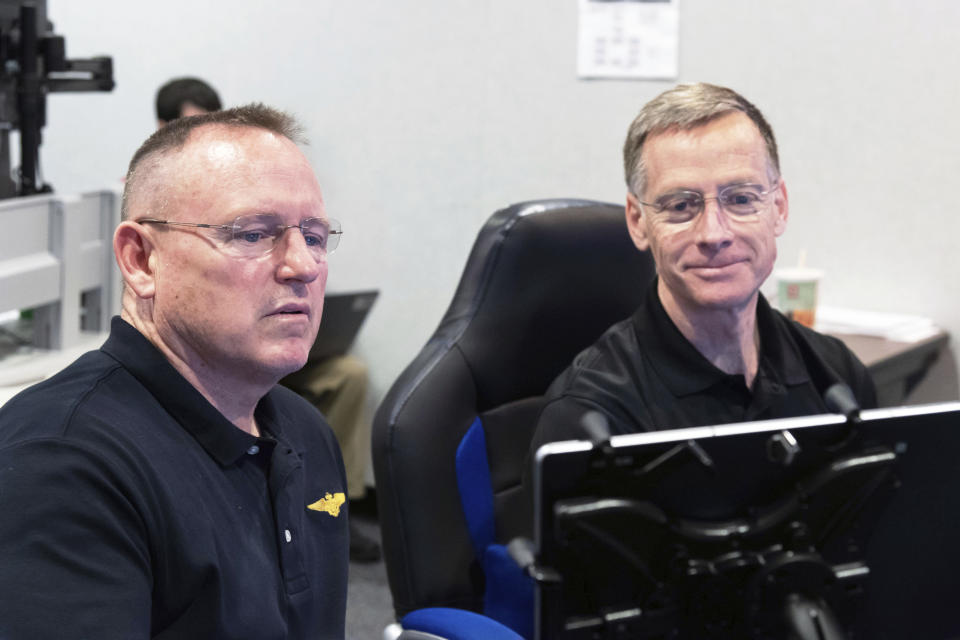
x=259, y=234
x=738, y=200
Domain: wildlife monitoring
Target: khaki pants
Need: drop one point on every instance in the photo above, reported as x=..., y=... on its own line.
x=337, y=386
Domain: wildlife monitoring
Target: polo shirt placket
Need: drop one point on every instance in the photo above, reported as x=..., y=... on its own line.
x=288, y=505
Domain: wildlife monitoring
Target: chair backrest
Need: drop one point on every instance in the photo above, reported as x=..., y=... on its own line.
x=544, y=279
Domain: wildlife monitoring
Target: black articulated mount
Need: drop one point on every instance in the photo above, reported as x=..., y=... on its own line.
x=33, y=63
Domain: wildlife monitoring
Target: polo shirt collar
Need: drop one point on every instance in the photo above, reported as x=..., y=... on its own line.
x=686, y=371
x=219, y=437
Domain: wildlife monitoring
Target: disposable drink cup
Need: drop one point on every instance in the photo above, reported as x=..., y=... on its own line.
x=797, y=293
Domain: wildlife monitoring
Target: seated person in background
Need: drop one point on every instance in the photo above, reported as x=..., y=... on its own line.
x=183, y=97
x=337, y=385
x=164, y=485
x=706, y=198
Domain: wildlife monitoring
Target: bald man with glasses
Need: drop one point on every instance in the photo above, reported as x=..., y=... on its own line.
x=164, y=485
x=706, y=198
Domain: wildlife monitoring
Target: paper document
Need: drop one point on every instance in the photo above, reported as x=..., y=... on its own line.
x=628, y=39
x=892, y=326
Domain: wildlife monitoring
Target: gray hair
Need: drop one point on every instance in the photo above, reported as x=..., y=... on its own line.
x=174, y=135
x=685, y=107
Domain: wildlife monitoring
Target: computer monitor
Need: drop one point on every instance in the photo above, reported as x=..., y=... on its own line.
x=811, y=527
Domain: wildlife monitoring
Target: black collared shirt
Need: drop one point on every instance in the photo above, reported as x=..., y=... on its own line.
x=644, y=375
x=131, y=508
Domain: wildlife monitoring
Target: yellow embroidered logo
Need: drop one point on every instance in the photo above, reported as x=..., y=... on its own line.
x=329, y=504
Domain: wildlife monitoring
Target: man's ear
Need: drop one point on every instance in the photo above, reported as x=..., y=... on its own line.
x=636, y=224
x=134, y=249
x=781, y=206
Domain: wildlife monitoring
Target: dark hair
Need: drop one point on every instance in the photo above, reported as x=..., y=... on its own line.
x=686, y=107
x=174, y=136
x=174, y=94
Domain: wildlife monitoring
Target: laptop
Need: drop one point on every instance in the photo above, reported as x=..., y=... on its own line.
x=343, y=315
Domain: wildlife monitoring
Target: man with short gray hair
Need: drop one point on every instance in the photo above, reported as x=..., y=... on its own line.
x=706, y=198
x=164, y=485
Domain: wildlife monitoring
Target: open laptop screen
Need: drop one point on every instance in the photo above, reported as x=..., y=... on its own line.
x=343, y=315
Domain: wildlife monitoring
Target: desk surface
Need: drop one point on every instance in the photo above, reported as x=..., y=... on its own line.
x=896, y=367
x=875, y=352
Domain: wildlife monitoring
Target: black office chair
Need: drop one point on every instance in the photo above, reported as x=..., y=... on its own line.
x=544, y=279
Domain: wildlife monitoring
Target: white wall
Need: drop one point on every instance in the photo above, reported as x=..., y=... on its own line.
x=427, y=116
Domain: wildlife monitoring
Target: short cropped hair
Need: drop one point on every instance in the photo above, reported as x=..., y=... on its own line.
x=685, y=107
x=174, y=94
x=174, y=136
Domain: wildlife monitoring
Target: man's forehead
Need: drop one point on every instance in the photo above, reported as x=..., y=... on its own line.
x=221, y=153
x=216, y=161
x=730, y=142
x=225, y=145
x=731, y=127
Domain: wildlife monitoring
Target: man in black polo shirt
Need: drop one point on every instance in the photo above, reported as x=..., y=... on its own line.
x=164, y=486
x=706, y=198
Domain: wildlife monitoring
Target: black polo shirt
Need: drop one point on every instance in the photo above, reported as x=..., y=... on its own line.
x=644, y=375
x=131, y=508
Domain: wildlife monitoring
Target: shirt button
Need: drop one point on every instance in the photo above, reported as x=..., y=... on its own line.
x=287, y=535
x=253, y=450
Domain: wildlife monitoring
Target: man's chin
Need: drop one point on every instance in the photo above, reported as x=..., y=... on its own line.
x=725, y=300
x=720, y=296
x=285, y=368
x=284, y=362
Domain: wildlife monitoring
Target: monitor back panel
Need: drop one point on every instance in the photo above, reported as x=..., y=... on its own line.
x=882, y=495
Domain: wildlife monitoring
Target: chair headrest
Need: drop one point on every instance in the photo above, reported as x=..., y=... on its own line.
x=544, y=279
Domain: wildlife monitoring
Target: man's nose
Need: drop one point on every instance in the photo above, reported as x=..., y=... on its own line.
x=297, y=261
x=713, y=224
